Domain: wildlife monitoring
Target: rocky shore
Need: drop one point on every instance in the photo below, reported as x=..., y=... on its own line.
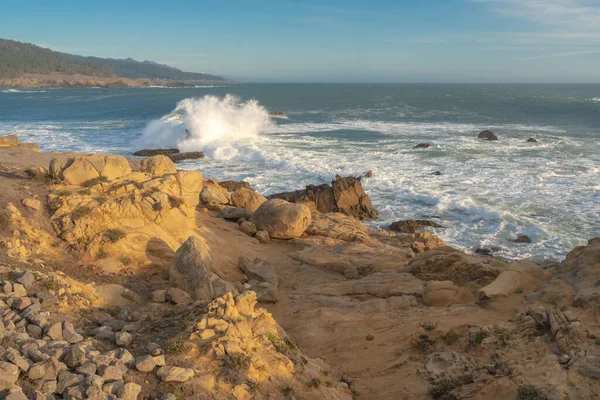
x=130, y=279
x=83, y=81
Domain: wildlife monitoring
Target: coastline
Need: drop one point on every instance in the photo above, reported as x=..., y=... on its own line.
x=375, y=314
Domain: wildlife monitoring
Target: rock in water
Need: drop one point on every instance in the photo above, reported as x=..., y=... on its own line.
x=278, y=114
x=531, y=140
x=422, y=146
x=192, y=155
x=413, y=226
x=487, y=135
x=155, y=152
x=522, y=239
x=344, y=195
x=281, y=219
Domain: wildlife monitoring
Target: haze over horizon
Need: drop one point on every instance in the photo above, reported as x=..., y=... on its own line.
x=551, y=41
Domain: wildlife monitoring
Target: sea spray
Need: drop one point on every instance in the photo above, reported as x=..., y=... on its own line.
x=217, y=126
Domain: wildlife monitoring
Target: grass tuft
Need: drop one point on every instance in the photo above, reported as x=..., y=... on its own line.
x=80, y=212
x=114, y=235
x=94, y=181
x=528, y=392
x=441, y=388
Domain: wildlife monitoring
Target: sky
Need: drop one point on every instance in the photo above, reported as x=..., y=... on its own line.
x=328, y=41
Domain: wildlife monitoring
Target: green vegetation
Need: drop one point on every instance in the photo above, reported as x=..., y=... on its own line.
x=287, y=391
x=177, y=346
x=94, y=181
x=441, y=388
x=4, y=221
x=80, y=212
x=283, y=346
x=478, y=337
x=314, y=382
x=114, y=235
x=62, y=193
x=428, y=326
x=125, y=260
x=528, y=392
x=519, y=291
x=234, y=367
x=101, y=254
x=101, y=199
x=424, y=343
x=52, y=285
x=18, y=58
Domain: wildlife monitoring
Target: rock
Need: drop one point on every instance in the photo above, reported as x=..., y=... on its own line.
x=233, y=213
x=178, y=296
x=15, y=394
x=9, y=141
x=265, y=291
x=590, y=365
x=422, y=146
x=174, y=374
x=232, y=186
x=192, y=155
x=370, y=336
x=531, y=140
x=131, y=391
x=263, y=237
x=37, y=172
x=155, y=152
x=55, y=331
x=145, y=363
x=487, y=135
x=19, y=290
x=76, y=356
x=221, y=287
x=258, y=269
x=123, y=339
x=21, y=303
x=413, y=226
x=445, y=293
x=66, y=380
x=111, y=373
x=522, y=239
x=29, y=146
x=35, y=331
x=248, y=199
x=344, y=195
x=248, y=228
x=436, y=173
x=281, y=219
x=26, y=279
x=278, y=114
x=79, y=171
x=115, y=167
x=159, y=296
x=369, y=174
x=519, y=275
x=168, y=396
x=33, y=204
x=192, y=270
x=212, y=195
x=15, y=357
x=158, y=165
x=114, y=387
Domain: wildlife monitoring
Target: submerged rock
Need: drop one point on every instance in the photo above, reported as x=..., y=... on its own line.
x=487, y=135
x=422, y=146
x=278, y=114
x=522, y=239
x=192, y=155
x=412, y=226
x=344, y=195
x=531, y=140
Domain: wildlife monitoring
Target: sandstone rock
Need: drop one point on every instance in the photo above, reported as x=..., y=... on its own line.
x=248, y=228
x=123, y=339
x=37, y=172
x=212, y=195
x=111, y=373
x=131, y=391
x=248, y=199
x=29, y=146
x=15, y=357
x=159, y=296
x=33, y=204
x=178, y=296
x=232, y=186
x=412, y=226
x=115, y=167
x=281, y=219
x=145, y=363
x=233, y=213
x=263, y=237
x=487, y=135
x=520, y=275
x=338, y=226
x=258, y=269
x=191, y=269
x=158, y=165
x=66, y=380
x=265, y=291
x=55, y=331
x=15, y=393
x=174, y=374
x=80, y=170
x=19, y=290
x=345, y=195
x=9, y=141
x=26, y=279
x=445, y=293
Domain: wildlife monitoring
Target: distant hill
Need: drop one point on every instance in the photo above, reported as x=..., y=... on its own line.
x=17, y=59
x=130, y=68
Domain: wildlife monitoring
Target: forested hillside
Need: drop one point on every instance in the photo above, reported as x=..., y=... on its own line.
x=18, y=58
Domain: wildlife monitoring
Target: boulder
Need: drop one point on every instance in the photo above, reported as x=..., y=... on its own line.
x=191, y=270
x=413, y=226
x=263, y=237
x=212, y=195
x=232, y=186
x=248, y=199
x=487, y=135
x=9, y=141
x=158, y=165
x=174, y=374
x=178, y=296
x=233, y=213
x=115, y=167
x=259, y=270
x=520, y=275
x=79, y=171
x=278, y=114
x=344, y=195
x=248, y=228
x=283, y=220
x=33, y=204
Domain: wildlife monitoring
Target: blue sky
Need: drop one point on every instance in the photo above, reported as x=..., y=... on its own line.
x=328, y=41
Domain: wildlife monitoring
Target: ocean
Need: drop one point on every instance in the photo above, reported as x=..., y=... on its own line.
x=488, y=193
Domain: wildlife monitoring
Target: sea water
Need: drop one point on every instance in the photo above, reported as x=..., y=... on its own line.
x=488, y=192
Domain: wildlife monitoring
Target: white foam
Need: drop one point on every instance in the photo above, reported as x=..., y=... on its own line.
x=23, y=91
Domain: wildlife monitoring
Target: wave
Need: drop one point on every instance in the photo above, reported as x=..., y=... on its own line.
x=23, y=91
x=595, y=99
x=217, y=126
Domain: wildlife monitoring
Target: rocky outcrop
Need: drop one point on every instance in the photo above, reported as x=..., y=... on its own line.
x=413, y=226
x=9, y=141
x=190, y=155
x=487, y=135
x=155, y=152
x=211, y=195
x=248, y=199
x=232, y=186
x=281, y=219
x=518, y=276
x=83, y=170
x=344, y=195
x=158, y=165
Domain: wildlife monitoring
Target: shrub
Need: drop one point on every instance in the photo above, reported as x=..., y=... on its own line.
x=284, y=346
x=80, y=212
x=424, y=343
x=125, y=260
x=314, y=382
x=85, y=192
x=101, y=254
x=114, y=235
x=54, y=204
x=157, y=206
x=101, y=199
x=4, y=221
x=234, y=367
x=519, y=291
x=478, y=337
x=177, y=346
x=287, y=391
x=528, y=392
x=62, y=193
x=428, y=326
x=441, y=388
x=94, y=181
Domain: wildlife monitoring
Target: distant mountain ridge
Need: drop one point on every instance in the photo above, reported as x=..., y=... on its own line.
x=18, y=59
